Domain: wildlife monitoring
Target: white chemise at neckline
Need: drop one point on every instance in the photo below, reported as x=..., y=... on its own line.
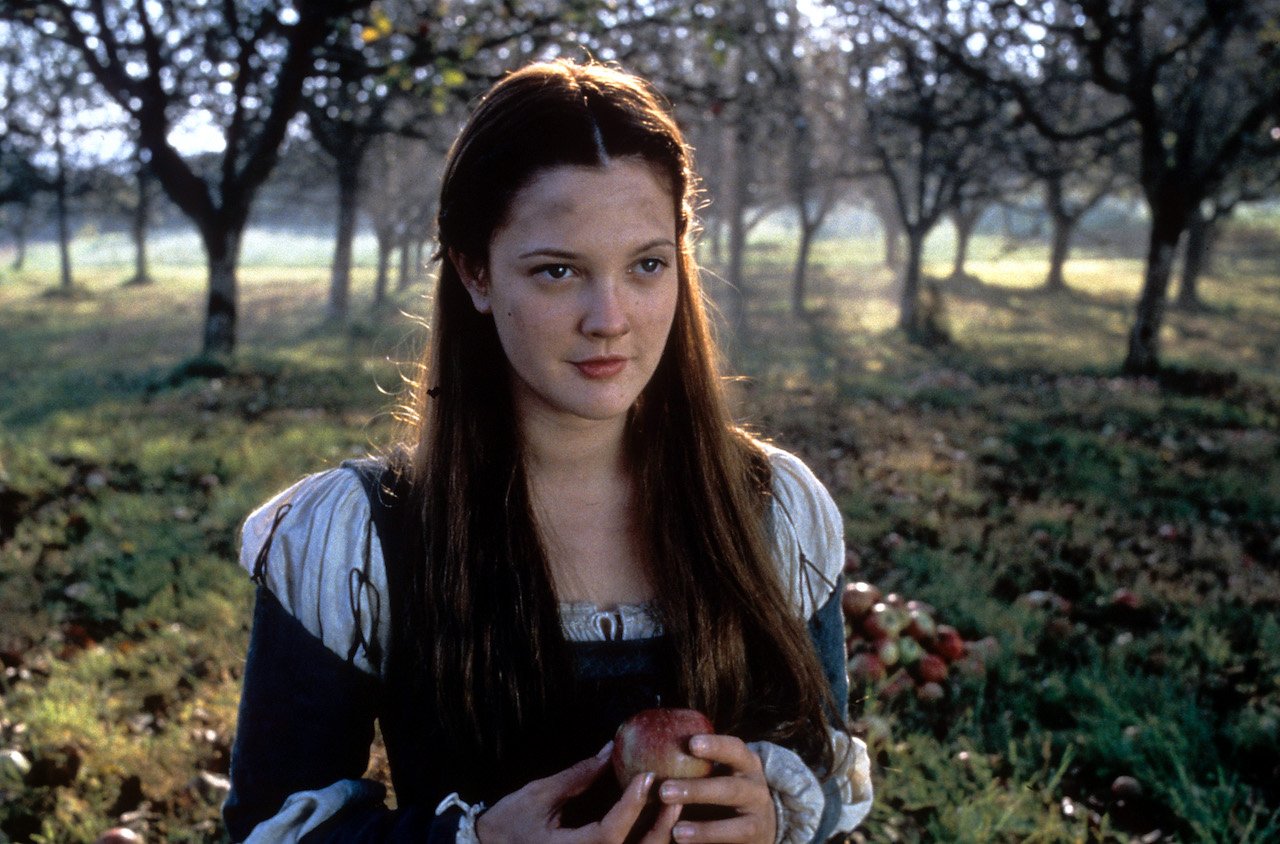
x=583, y=621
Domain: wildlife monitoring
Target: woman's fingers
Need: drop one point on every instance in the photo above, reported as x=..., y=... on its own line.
x=662, y=830
x=741, y=828
x=736, y=792
x=741, y=789
x=727, y=750
x=619, y=820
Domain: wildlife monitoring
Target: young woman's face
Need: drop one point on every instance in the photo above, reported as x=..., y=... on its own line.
x=582, y=285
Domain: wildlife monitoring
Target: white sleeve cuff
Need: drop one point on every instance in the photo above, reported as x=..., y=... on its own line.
x=853, y=769
x=797, y=795
x=798, y=798
x=304, y=811
x=467, y=824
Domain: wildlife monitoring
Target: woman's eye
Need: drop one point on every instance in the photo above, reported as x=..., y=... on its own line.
x=556, y=272
x=649, y=266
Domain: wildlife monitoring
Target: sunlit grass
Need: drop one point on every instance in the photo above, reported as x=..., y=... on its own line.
x=177, y=252
x=999, y=312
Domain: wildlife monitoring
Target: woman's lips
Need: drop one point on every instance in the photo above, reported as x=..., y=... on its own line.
x=601, y=367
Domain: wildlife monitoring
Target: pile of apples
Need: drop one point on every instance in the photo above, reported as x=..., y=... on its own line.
x=895, y=646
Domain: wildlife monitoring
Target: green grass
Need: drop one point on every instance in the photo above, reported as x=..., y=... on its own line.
x=1011, y=461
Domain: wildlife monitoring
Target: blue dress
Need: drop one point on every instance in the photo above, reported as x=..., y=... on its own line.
x=322, y=668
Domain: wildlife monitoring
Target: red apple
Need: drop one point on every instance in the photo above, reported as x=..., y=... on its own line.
x=866, y=668
x=657, y=740
x=931, y=669
x=948, y=645
x=930, y=692
x=1126, y=598
x=119, y=835
x=873, y=626
x=1043, y=599
x=858, y=598
x=923, y=606
x=921, y=626
x=1125, y=787
x=885, y=621
x=898, y=684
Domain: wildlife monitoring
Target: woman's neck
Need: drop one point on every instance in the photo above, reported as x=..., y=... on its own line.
x=573, y=451
x=582, y=494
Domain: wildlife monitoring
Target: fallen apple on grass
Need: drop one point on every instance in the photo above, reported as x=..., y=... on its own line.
x=931, y=669
x=657, y=740
x=893, y=645
x=858, y=598
x=866, y=668
x=930, y=692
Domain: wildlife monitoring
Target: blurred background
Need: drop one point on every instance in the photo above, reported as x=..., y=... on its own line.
x=1005, y=273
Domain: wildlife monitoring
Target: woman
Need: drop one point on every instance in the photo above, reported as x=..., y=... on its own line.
x=574, y=531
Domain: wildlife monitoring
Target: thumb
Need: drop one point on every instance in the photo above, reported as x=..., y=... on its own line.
x=575, y=779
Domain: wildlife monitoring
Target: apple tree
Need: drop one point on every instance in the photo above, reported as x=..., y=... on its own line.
x=229, y=75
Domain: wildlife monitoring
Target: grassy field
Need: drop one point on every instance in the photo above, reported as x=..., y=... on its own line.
x=1010, y=464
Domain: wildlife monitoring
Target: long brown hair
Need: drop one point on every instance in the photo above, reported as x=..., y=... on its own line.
x=486, y=595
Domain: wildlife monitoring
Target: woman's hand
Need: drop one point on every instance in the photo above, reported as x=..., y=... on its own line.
x=533, y=812
x=743, y=790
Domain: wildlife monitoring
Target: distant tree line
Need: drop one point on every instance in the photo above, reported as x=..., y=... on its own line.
x=921, y=111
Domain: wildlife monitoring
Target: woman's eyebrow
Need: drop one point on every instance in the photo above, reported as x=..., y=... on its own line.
x=654, y=244
x=551, y=252
x=547, y=252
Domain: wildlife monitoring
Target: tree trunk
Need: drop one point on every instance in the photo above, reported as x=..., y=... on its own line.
x=60, y=205
x=1168, y=220
x=965, y=222
x=385, y=246
x=1193, y=260
x=909, y=300
x=419, y=259
x=1063, y=228
x=20, y=237
x=892, y=248
x=886, y=212
x=737, y=213
x=798, y=277
x=406, y=265
x=141, y=220
x=222, y=247
x=348, y=167
x=716, y=232
x=712, y=165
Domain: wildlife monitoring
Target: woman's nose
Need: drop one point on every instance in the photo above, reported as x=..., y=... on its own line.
x=605, y=315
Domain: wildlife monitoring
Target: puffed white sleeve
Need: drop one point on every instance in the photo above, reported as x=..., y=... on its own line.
x=314, y=547
x=808, y=539
x=808, y=532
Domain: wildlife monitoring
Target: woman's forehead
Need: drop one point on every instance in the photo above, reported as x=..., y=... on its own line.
x=627, y=193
